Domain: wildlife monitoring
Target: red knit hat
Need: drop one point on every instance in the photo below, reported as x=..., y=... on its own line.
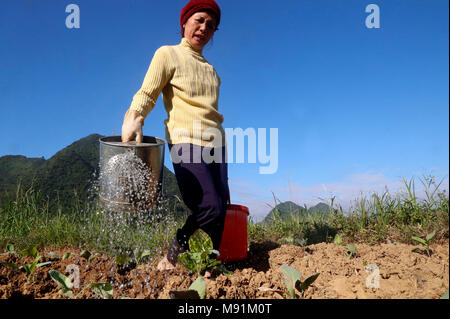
x=194, y=6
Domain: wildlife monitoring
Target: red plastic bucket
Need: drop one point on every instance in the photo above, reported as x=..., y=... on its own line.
x=233, y=246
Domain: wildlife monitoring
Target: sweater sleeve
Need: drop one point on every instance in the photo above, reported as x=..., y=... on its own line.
x=158, y=74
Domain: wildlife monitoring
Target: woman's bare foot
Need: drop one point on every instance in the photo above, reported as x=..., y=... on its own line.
x=165, y=264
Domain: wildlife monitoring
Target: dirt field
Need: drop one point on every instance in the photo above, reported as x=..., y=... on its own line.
x=401, y=273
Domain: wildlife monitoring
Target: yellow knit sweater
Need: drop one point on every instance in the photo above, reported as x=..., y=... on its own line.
x=190, y=87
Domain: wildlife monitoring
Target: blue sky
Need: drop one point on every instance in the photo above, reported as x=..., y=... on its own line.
x=356, y=109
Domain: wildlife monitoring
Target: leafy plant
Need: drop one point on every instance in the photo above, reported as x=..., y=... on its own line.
x=293, y=239
x=199, y=286
x=140, y=254
x=424, y=242
x=63, y=282
x=197, y=290
x=88, y=255
x=29, y=252
x=66, y=255
x=52, y=255
x=30, y=268
x=9, y=250
x=351, y=251
x=294, y=282
x=102, y=289
x=197, y=258
x=337, y=239
x=12, y=265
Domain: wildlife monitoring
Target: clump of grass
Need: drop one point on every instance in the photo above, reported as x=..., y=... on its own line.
x=399, y=217
x=28, y=219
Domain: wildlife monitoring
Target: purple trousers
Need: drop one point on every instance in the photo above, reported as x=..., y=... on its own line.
x=204, y=187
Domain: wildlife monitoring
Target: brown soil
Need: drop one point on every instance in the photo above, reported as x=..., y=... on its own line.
x=402, y=274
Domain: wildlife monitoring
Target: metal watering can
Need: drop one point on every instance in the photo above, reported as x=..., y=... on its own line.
x=131, y=174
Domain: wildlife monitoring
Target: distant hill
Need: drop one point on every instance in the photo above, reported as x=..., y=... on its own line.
x=71, y=170
x=14, y=168
x=287, y=208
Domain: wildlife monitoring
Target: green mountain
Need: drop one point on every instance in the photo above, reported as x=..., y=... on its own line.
x=285, y=209
x=15, y=168
x=69, y=173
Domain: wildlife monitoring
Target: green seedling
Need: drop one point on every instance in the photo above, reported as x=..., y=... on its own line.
x=199, y=286
x=29, y=252
x=63, y=282
x=88, y=255
x=9, y=250
x=12, y=265
x=294, y=282
x=351, y=251
x=103, y=290
x=294, y=240
x=52, y=255
x=424, y=242
x=142, y=254
x=30, y=268
x=66, y=255
x=337, y=239
x=197, y=258
x=197, y=290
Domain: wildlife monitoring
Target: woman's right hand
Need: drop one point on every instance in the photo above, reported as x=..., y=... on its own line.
x=132, y=126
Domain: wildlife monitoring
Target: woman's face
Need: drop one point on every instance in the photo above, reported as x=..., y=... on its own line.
x=199, y=29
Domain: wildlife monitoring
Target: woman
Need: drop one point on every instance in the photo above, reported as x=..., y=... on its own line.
x=190, y=87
